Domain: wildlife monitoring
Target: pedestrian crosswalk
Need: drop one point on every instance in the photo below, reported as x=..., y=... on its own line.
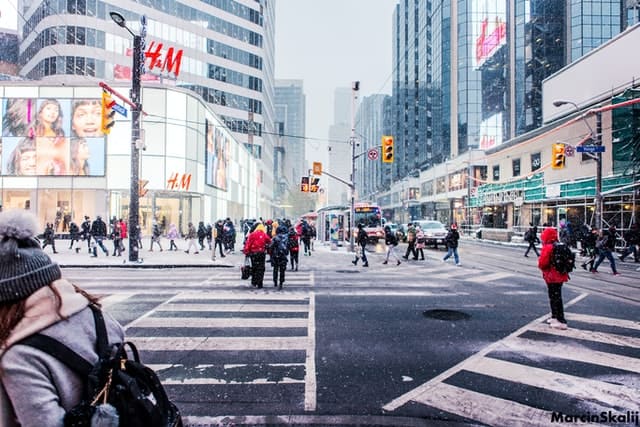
x=531, y=377
x=221, y=343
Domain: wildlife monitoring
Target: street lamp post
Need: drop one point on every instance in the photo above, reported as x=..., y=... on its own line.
x=596, y=137
x=355, y=87
x=136, y=143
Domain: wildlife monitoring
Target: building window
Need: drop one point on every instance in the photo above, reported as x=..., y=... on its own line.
x=535, y=162
x=496, y=173
x=516, y=167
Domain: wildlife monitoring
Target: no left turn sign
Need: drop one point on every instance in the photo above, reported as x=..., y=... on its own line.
x=372, y=154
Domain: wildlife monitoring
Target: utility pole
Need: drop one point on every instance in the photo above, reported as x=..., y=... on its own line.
x=136, y=142
x=598, y=142
x=355, y=87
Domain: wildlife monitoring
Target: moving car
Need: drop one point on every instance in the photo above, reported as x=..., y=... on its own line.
x=434, y=232
x=395, y=229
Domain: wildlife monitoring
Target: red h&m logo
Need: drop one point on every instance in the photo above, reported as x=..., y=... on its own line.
x=179, y=182
x=170, y=62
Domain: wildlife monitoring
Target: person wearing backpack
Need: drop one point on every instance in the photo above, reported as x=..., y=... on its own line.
x=531, y=237
x=294, y=248
x=361, y=239
x=279, y=252
x=606, y=245
x=34, y=298
x=553, y=278
x=255, y=247
x=391, y=240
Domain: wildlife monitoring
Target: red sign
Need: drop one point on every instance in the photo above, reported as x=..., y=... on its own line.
x=170, y=63
x=372, y=154
x=183, y=183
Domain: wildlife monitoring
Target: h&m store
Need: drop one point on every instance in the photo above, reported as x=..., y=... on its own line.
x=55, y=160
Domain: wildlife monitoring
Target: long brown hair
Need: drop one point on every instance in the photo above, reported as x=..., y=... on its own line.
x=12, y=312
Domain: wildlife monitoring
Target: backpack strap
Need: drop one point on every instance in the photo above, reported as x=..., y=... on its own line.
x=61, y=352
x=64, y=354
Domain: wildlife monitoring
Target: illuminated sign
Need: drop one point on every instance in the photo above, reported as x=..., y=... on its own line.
x=491, y=31
x=217, y=151
x=50, y=136
x=491, y=132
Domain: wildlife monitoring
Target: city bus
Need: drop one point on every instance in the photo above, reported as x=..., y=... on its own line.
x=371, y=216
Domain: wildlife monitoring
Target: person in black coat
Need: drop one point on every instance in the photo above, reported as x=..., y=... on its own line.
x=74, y=231
x=452, y=244
x=49, y=237
x=531, y=236
x=99, y=233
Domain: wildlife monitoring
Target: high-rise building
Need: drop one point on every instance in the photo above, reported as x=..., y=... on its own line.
x=411, y=79
x=371, y=124
x=221, y=49
x=469, y=73
x=345, y=104
x=290, y=105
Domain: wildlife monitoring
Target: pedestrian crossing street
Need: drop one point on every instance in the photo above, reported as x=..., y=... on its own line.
x=537, y=373
x=214, y=349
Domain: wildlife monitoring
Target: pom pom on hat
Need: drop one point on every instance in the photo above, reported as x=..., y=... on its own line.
x=24, y=267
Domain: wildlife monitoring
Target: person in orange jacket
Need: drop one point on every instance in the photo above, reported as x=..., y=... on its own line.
x=553, y=278
x=255, y=247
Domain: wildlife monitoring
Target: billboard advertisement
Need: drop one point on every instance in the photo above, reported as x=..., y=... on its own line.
x=490, y=31
x=217, y=148
x=59, y=137
x=491, y=132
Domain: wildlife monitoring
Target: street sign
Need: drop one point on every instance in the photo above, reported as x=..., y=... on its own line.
x=590, y=148
x=372, y=154
x=119, y=109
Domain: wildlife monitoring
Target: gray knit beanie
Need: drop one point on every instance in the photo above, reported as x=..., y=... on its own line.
x=24, y=267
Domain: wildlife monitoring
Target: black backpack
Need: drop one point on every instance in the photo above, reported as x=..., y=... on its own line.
x=280, y=246
x=562, y=258
x=130, y=387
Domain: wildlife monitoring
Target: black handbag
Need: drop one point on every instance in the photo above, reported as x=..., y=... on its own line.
x=245, y=270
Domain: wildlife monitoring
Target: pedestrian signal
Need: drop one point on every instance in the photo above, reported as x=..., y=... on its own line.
x=107, y=112
x=387, y=149
x=304, y=184
x=557, y=156
x=313, y=187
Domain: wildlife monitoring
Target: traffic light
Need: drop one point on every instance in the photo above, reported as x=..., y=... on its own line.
x=557, y=156
x=107, y=112
x=387, y=149
x=314, y=184
x=304, y=184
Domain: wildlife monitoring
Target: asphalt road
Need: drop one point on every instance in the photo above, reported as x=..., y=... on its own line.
x=423, y=343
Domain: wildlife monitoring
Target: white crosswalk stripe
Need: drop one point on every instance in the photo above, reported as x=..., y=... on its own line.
x=600, y=392
x=197, y=314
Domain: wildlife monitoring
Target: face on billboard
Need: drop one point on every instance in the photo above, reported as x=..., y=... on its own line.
x=86, y=118
x=41, y=137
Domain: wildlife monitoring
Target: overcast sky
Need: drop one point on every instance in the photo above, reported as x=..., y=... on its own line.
x=329, y=44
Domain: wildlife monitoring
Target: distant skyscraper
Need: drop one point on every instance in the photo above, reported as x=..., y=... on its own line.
x=372, y=122
x=290, y=104
x=339, y=147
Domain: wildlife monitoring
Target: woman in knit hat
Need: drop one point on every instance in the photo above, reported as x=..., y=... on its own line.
x=34, y=298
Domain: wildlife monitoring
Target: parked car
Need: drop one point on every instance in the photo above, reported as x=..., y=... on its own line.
x=401, y=234
x=434, y=232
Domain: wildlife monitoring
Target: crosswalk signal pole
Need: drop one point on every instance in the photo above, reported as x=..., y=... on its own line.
x=355, y=87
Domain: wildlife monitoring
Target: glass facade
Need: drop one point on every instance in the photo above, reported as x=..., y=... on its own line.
x=441, y=82
x=539, y=38
x=593, y=22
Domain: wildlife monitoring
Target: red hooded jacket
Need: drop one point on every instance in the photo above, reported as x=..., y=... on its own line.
x=549, y=273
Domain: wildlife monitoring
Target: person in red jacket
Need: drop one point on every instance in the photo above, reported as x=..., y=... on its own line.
x=255, y=247
x=553, y=278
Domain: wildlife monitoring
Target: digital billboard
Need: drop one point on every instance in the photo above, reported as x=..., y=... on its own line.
x=490, y=32
x=59, y=137
x=217, y=148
